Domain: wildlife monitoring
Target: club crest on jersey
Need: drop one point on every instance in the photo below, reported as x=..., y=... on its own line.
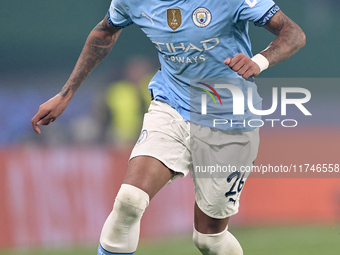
x=201, y=17
x=174, y=18
x=142, y=137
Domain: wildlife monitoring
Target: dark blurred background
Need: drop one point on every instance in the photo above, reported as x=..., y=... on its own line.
x=41, y=41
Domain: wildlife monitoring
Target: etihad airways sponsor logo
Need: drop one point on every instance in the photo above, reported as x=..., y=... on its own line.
x=186, y=60
x=205, y=45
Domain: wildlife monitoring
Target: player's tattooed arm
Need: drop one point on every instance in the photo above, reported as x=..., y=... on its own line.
x=290, y=38
x=98, y=44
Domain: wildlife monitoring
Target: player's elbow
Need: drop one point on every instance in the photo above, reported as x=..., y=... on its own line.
x=301, y=41
x=299, y=38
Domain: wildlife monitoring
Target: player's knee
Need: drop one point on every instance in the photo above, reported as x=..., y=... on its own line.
x=129, y=205
x=131, y=201
x=223, y=243
x=121, y=229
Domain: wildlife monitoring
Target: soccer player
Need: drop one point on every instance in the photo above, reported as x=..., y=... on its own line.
x=195, y=39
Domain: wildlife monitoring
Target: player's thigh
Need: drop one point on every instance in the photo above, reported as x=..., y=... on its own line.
x=162, y=146
x=148, y=174
x=219, y=163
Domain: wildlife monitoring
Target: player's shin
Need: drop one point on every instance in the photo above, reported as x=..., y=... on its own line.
x=120, y=233
x=223, y=243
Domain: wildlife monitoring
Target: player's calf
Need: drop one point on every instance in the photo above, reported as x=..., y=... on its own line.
x=223, y=243
x=120, y=233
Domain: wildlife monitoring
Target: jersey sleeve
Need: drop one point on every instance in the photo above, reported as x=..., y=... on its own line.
x=117, y=15
x=257, y=11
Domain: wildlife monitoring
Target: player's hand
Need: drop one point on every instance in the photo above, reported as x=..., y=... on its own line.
x=243, y=65
x=49, y=111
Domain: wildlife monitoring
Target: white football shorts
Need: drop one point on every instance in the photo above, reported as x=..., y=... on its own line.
x=219, y=161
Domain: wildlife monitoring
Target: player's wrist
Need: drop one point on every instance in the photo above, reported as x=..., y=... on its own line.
x=261, y=61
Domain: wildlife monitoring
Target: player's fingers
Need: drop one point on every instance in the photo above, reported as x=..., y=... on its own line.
x=253, y=70
x=247, y=74
x=227, y=61
x=239, y=57
x=240, y=65
x=35, y=124
x=41, y=118
x=36, y=128
x=35, y=121
x=243, y=70
x=46, y=120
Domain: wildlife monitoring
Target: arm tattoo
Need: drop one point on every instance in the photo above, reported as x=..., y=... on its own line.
x=98, y=45
x=64, y=91
x=290, y=38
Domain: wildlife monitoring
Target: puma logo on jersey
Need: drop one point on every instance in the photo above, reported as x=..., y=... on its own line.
x=149, y=18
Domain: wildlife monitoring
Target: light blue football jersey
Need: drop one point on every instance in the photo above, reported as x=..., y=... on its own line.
x=193, y=38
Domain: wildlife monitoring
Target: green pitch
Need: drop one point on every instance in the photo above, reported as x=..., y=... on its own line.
x=255, y=241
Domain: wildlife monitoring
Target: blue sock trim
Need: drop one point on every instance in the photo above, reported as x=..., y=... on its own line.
x=101, y=251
